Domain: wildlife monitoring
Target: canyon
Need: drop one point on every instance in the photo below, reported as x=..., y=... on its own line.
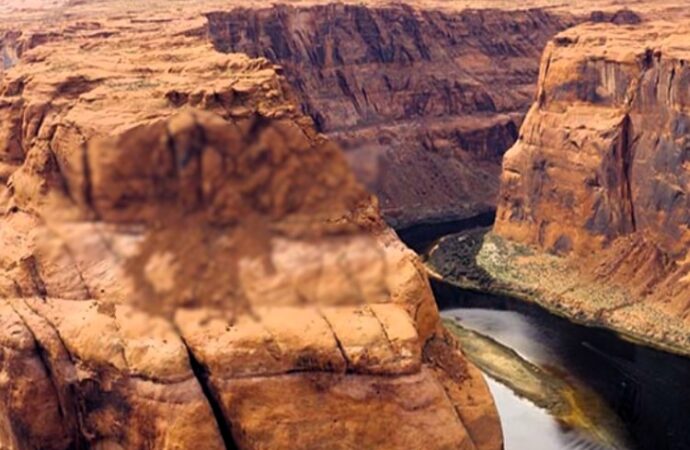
x=197, y=204
x=424, y=100
x=592, y=218
x=430, y=96
x=600, y=175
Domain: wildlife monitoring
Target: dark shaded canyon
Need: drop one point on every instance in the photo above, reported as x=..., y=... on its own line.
x=424, y=102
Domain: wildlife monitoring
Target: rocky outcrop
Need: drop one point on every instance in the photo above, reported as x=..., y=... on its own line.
x=600, y=173
x=621, y=17
x=14, y=42
x=186, y=263
x=424, y=101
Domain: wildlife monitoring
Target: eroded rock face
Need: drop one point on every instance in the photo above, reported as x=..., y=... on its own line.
x=186, y=263
x=424, y=101
x=621, y=17
x=600, y=171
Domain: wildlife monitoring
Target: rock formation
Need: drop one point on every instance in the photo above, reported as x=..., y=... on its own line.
x=186, y=263
x=429, y=91
x=601, y=173
x=424, y=102
x=620, y=17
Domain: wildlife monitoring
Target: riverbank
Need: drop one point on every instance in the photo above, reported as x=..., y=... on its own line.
x=478, y=260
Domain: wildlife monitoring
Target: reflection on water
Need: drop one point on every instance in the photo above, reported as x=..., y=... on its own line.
x=647, y=389
x=510, y=328
x=527, y=427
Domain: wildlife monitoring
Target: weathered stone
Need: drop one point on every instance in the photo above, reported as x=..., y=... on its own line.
x=599, y=173
x=424, y=102
x=185, y=262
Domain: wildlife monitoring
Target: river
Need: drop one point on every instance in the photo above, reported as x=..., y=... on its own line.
x=625, y=395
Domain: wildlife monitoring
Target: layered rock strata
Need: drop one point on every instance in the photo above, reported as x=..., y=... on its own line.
x=185, y=263
x=424, y=101
x=600, y=174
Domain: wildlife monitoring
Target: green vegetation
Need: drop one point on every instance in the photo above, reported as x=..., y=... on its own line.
x=480, y=261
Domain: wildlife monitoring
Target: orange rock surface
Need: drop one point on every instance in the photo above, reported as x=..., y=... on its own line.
x=424, y=102
x=185, y=263
x=424, y=97
x=600, y=172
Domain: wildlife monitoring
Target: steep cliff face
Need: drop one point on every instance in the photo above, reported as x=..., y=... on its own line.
x=424, y=102
x=186, y=263
x=10, y=50
x=601, y=170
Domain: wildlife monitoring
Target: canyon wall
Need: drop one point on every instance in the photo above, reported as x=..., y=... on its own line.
x=186, y=263
x=601, y=170
x=424, y=101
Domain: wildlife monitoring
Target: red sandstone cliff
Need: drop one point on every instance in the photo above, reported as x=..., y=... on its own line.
x=424, y=101
x=185, y=263
x=601, y=174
